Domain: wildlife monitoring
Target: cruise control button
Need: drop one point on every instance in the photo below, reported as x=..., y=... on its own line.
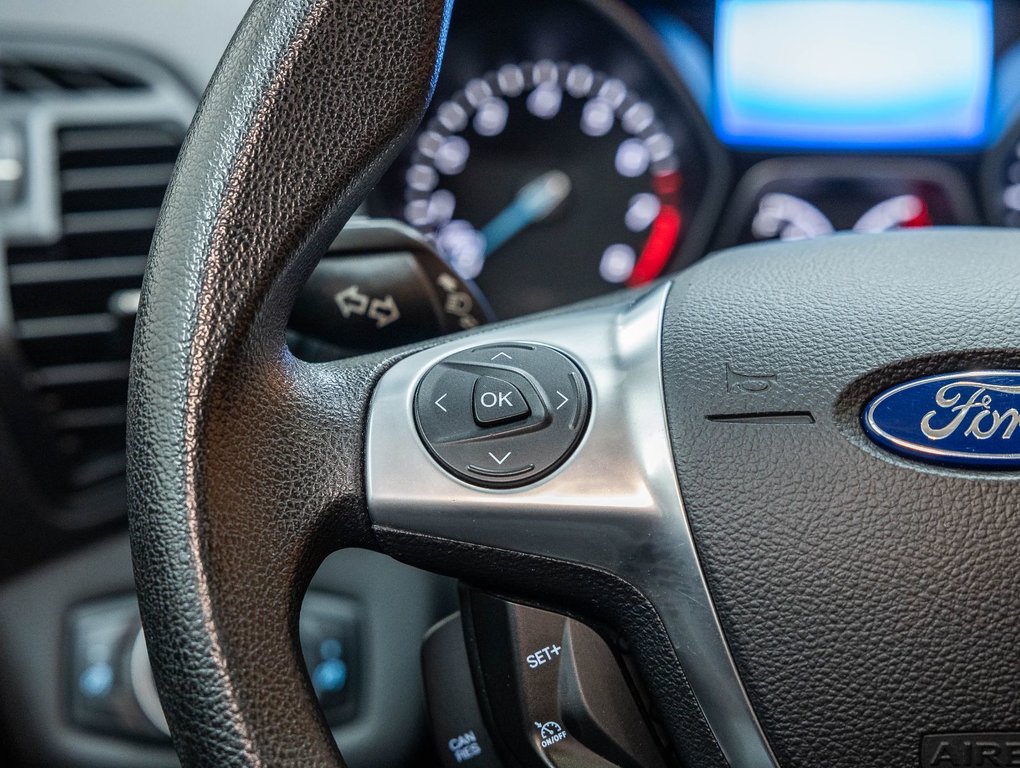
x=496, y=401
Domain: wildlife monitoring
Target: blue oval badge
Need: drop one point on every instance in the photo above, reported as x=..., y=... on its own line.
x=970, y=419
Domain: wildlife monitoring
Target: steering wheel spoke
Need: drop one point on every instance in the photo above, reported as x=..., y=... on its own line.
x=605, y=536
x=597, y=506
x=286, y=437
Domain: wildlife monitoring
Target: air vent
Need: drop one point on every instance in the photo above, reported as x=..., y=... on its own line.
x=24, y=75
x=74, y=301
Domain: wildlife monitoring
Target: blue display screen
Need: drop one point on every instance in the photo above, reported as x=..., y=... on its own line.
x=853, y=74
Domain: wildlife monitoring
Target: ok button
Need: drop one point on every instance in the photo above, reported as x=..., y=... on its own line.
x=496, y=401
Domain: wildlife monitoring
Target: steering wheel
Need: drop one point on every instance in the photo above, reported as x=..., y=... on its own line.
x=791, y=592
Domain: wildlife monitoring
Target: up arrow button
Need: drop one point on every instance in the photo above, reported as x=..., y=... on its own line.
x=496, y=401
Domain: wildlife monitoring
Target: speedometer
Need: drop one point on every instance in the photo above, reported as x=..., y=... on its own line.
x=548, y=158
x=563, y=156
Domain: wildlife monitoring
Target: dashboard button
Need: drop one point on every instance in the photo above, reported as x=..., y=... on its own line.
x=109, y=679
x=502, y=415
x=329, y=629
x=103, y=698
x=497, y=401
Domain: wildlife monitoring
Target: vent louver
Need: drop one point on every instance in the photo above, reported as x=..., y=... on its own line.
x=74, y=300
x=25, y=75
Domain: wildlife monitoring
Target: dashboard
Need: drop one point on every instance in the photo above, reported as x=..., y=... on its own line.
x=573, y=148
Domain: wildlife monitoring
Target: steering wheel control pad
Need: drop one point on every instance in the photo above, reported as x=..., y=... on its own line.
x=502, y=415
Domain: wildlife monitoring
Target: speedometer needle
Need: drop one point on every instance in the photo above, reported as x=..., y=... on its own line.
x=533, y=202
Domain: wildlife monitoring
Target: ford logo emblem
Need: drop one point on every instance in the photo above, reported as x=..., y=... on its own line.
x=964, y=419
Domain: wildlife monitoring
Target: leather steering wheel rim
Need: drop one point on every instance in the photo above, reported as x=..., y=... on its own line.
x=278, y=157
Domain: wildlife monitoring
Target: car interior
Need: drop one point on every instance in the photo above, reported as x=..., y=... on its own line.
x=555, y=383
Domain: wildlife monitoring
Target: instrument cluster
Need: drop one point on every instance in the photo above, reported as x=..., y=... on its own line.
x=575, y=147
x=562, y=157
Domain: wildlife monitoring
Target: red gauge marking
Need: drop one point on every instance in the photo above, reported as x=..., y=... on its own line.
x=922, y=219
x=657, y=251
x=665, y=231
